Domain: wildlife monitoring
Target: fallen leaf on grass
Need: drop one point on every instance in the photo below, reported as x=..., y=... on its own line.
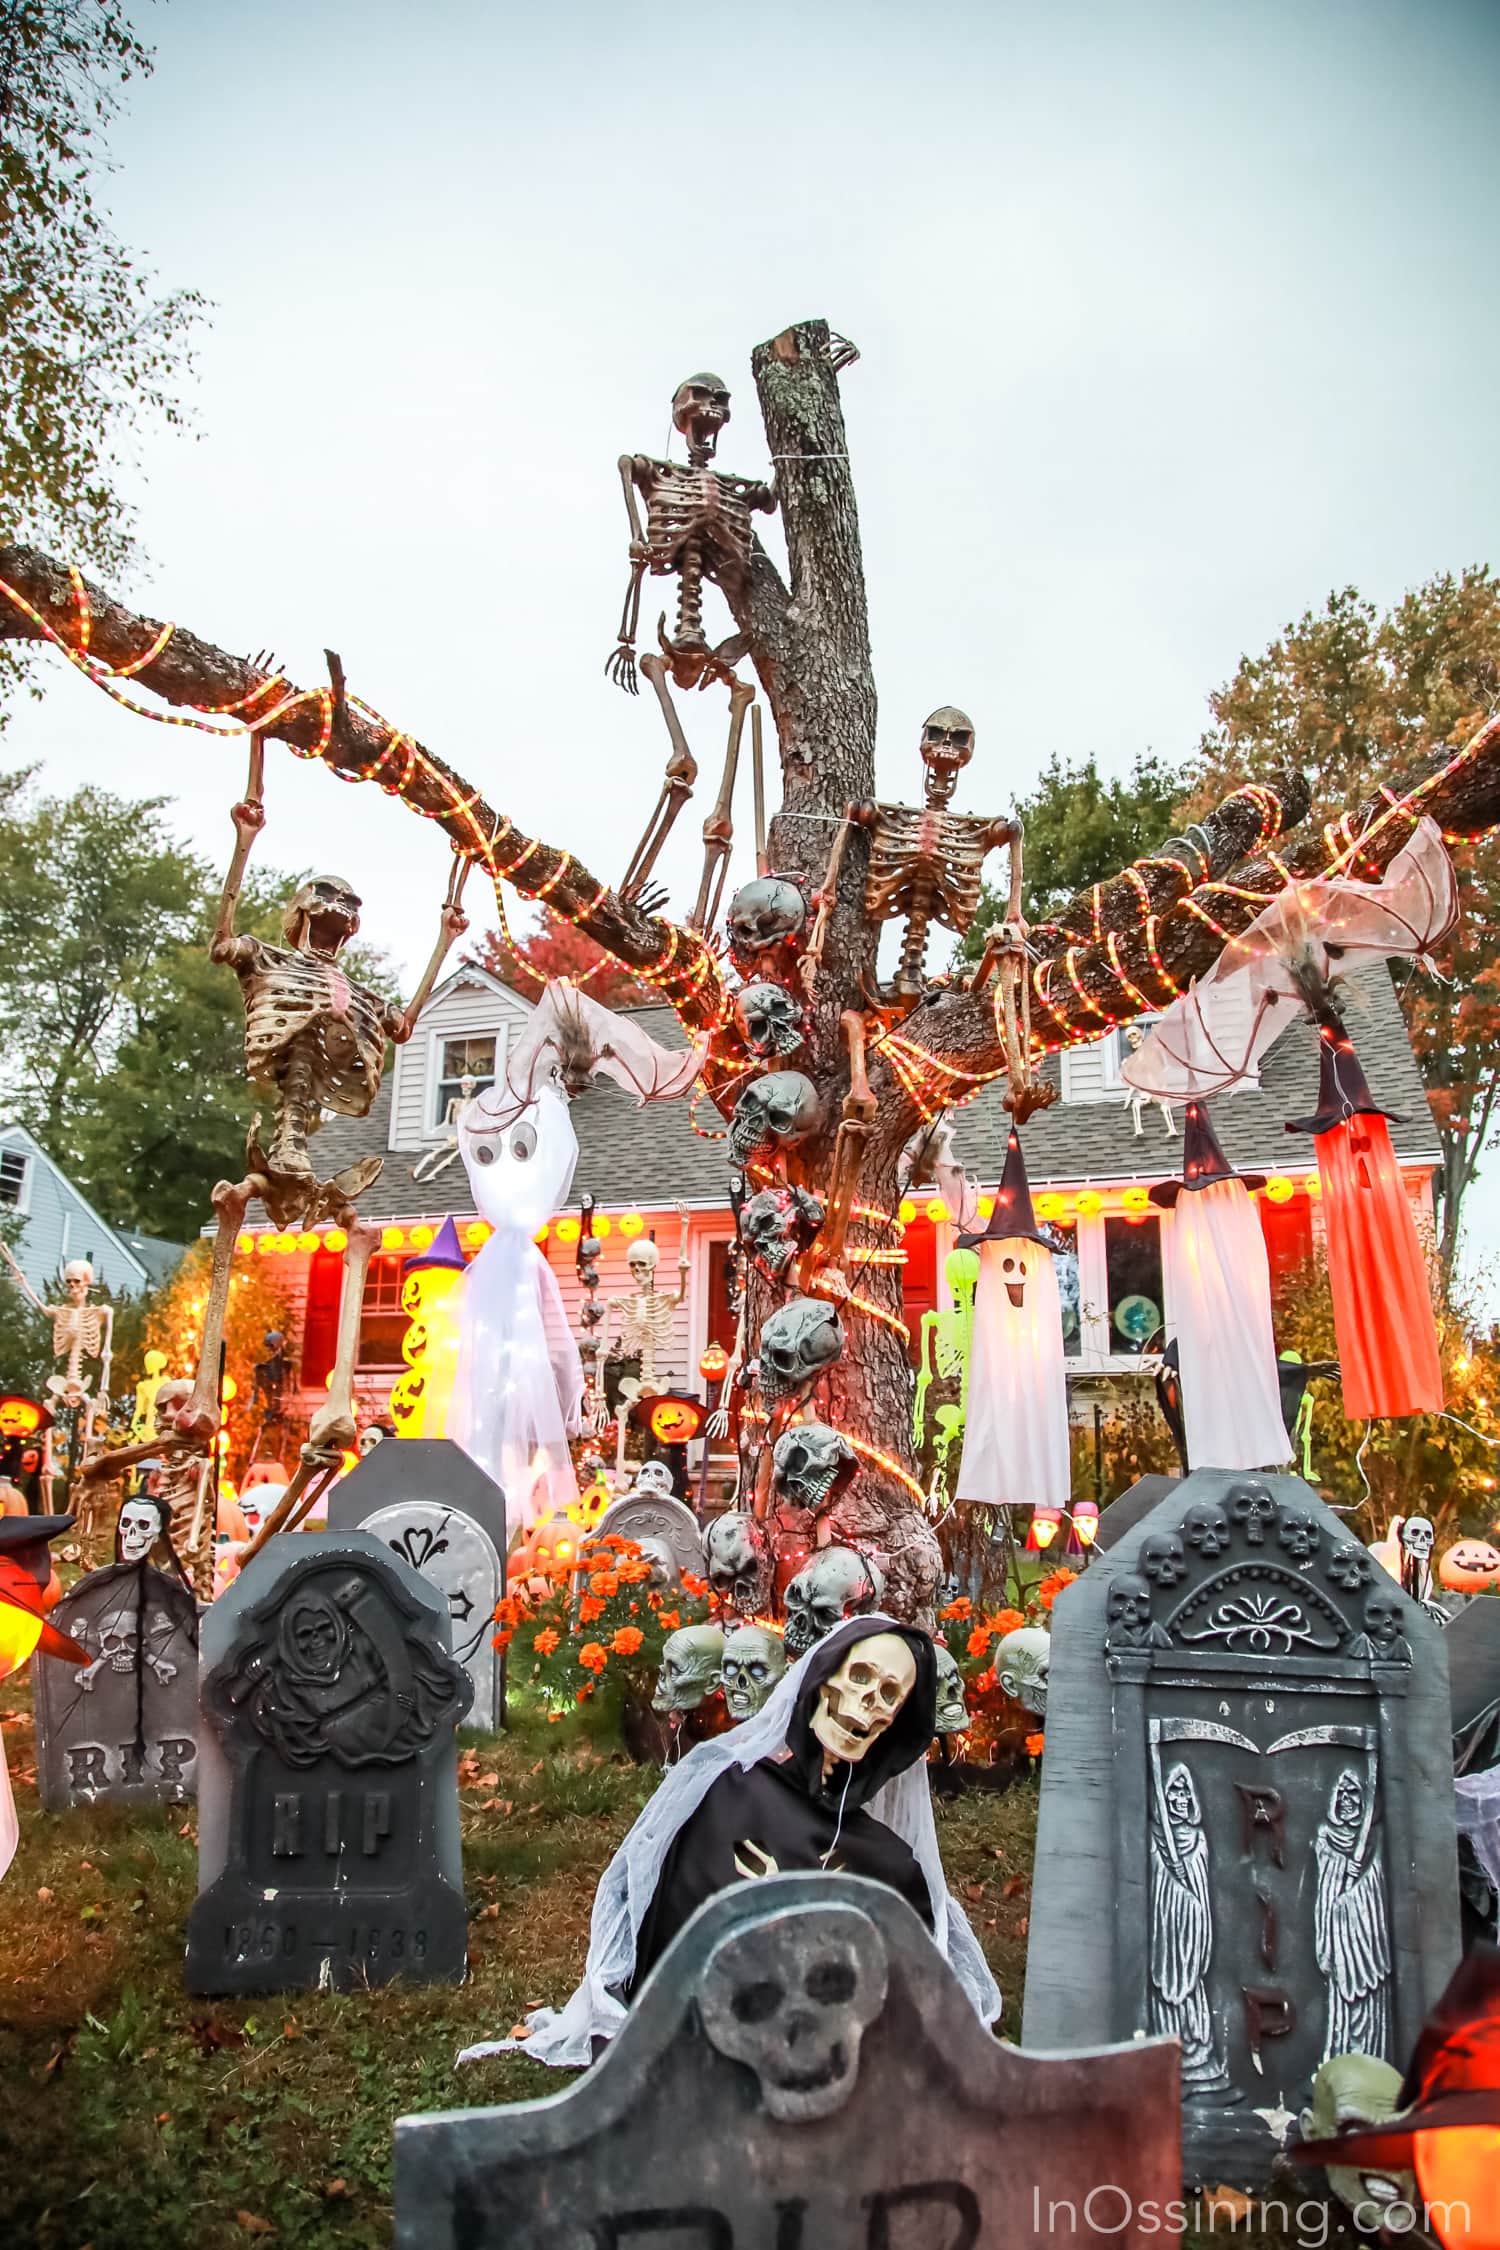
x=52, y=2062
x=1022, y=1926
x=489, y=1914
x=520, y=2031
x=972, y=1891
x=45, y=1895
x=164, y=2117
x=251, y=2224
x=335, y=2188
x=209, y=2034
x=488, y=1781
x=1227, y=2204
x=1014, y=1887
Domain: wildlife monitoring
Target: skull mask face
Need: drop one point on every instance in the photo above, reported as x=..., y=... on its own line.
x=1417, y=1537
x=700, y=409
x=140, y=1526
x=858, y=1702
x=322, y=916
x=653, y=1479
x=791, y=1998
x=801, y=1340
x=754, y=1661
x=947, y=747
x=770, y=1021
x=738, y=1561
x=78, y=1280
x=777, y=1224
x=952, y=1712
x=836, y=1584
x=812, y=1466
x=780, y=1109
x=690, y=1661
x=1021, y=1663
x=765, y=914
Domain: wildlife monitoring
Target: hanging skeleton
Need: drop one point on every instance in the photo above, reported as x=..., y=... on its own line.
x=641, y=1323
x=697, y=529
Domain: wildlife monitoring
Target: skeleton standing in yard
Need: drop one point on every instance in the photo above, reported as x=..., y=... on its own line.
x=641, y=1321
x=80, y=1331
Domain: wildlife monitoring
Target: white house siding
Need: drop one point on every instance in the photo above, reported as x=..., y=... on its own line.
x=471, y=1003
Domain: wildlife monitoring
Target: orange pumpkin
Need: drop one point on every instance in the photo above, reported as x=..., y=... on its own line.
x=1470, y=1566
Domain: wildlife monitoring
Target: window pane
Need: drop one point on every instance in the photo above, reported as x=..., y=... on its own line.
x=472, y=1056
x=1065, y=1264
x=382, y=1323
x=12, y=1176
x=1132, y=1258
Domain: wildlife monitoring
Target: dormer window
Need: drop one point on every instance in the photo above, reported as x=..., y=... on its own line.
x=13, y=1178
x=471, y=1055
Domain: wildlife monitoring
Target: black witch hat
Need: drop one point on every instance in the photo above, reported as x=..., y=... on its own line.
x=1204, y=1163
x=25, y=1538
x=1012, y=1214
x=1343, y=1089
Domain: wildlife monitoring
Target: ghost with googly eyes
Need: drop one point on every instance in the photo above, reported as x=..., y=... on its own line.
x=518, y=1390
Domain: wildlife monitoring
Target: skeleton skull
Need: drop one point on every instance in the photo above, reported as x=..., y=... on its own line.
x=1298, y=1534
x=768, y=912
x=652, y=1479
x=1384, y=1624
x=1206, y=1528
x=754, y=1661
x=800, y=1341
x=323, y=914
x=777, y=1225
x=781, y=1108
x=770, y=1021
x=812, y=1465
x=700, y=409
x=858, y=1702
x=1021, y=1664
x=140, y=1526
x=947, y=747
x=738, y=1561
x=836, y=1584
x=1162, y=1559
x=952, y=1712
x=1129, y=1619
x=690, y=1661
x=1417, y=1537
x=792, y=1997
x=642, y=1257
x=78, y=1279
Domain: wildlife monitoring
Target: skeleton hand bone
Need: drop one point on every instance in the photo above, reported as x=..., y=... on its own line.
x=620, y=667
x=454, y=922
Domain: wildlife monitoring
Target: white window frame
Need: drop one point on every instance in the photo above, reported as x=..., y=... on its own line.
x=22, y=1203
x=437, y=1040
x=1096, y=1355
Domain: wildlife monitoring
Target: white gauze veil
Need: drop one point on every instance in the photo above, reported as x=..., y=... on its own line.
x=564, y=2037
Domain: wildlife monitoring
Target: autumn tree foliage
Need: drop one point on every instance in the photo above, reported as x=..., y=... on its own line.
x=554, y=947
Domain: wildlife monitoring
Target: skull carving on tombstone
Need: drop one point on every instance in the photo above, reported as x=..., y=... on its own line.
x=1162, y=1559
x=1205, y=1527
x=800, y=1341
x=1385, y=1623
x=769, y=1019
x=738, y=1562
x=766, y=920
x=1021, y=1662
x=1298, y=1534
x=952, y=1716
x=776, y=1112
x=776, y=1226
x=836, y=1584
x=1129, y=1613
x=1252, y=1506
x=791, y=1998
x=754, y=1660
x=690, y=1661
x=811, y=1466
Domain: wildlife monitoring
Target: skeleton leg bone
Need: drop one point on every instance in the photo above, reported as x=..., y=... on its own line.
x=718, y=829
x=198, y=1421
x=682, y=772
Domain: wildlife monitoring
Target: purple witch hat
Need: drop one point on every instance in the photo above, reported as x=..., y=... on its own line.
x=445, y=1249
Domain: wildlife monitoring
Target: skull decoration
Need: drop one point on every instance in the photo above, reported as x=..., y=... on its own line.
x=1385, y=1623
x=690, y=1662
x=322, y=915
x=766, y=919
x=1021, y=1663
x=800, y=1341
x=770, y=1021
x=754, y=1660
x=791, y=1997
x=1298, y=1534
x=1350, y=1567
x=653, y=1480
x=777, y=1225
x=836, y=1584
x=947, y=747
x=738, y=1562
x=952, y=1712
x=1129, y=1619
x=858, y=1702
x=779, y=1109
x=700, y=409
x=1417, y=1537
x=1162, y=1559
x=1206, y=1528
x=1252, y=1506
x=812, y=1465
x=138, y=1527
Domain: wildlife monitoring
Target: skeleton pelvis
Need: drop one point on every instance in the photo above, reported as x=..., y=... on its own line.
x=299, y=1199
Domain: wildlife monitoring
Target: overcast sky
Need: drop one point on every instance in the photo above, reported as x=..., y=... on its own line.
x=1172, y=318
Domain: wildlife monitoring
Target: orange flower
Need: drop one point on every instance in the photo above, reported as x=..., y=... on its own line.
x=590, y=1608
x=671, y=1618
x=1050, y=1588
x=621, y=1546
x=631, y=1573
x=545, y=1641
x=503, y=1640
x=959, y=1610
x=606, y=1583
x=627, y=1640
x=1005, y=1621
x=983, y=1682
x=1035, y=1744
x=979, y=1640
x=593, y=1657
x=697, y=1587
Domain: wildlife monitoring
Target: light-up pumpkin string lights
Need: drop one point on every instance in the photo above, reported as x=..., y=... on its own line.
x=420, y=1398
x=26, y=1583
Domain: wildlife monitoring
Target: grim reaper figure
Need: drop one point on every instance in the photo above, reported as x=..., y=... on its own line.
x=1182, y=1929
x=1351, y=1931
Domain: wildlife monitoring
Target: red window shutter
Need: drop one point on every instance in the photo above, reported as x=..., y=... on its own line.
x=320, y=1327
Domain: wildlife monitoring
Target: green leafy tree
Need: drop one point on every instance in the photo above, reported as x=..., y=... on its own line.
x=1347, y=693
x=121, y=1043
x=1080, y=829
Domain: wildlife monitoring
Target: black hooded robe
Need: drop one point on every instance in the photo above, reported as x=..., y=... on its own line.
x=782, y=1811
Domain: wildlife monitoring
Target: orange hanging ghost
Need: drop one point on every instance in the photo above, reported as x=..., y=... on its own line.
x=1382, y=1299
x=25, y=1579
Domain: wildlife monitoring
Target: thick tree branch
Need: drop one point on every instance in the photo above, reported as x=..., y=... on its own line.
x=193, y=674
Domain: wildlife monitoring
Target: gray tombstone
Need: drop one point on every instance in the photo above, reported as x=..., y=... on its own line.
x=440, y=1512
x=802, y=2069
x=328, y=1839
x=664, y=1529
x=1125, y=1513
x=121, y=1729
x=1247, y=1829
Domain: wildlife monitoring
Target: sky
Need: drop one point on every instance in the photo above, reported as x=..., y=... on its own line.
x=1172, y=318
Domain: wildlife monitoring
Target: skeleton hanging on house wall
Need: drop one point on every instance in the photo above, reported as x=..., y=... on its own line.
x=640, y=1323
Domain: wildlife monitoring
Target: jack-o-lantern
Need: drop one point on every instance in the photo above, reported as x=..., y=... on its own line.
x=1470, y=1566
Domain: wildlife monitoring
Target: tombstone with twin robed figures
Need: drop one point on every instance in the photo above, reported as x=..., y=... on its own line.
x=437, y=1509
x=1247, y=1831
x=803, y=2069
x=328, y=1850
x=123, y=1728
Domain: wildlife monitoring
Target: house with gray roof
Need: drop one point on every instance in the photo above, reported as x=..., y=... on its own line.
x=58, y=1223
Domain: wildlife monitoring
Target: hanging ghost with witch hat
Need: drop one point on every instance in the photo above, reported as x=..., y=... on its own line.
x=1218, y=1285
x=1382, y=1299
x=1016, y=1438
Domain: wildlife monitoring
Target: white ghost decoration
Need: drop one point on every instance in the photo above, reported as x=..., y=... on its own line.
x=1016, y=1437
x=518, y=1391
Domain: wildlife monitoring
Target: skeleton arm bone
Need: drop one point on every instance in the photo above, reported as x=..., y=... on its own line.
x=22, y=1283
x=682, y=1254
x=855, y=816
x=249, y=817
x=635, y=470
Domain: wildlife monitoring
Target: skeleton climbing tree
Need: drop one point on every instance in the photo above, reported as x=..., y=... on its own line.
x=866, y=1067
